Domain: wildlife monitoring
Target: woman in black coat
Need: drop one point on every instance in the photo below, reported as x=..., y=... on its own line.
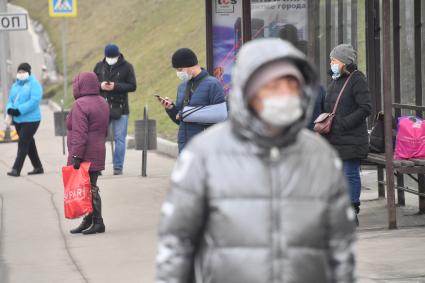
x=349, y=130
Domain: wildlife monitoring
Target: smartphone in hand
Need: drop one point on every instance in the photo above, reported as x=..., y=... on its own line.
x=163, y=101
x=159, y=97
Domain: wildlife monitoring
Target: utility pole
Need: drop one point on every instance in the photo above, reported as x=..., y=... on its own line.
x=4, y=59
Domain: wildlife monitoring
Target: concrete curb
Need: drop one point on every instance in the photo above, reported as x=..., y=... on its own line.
x=165, y=147
x=53, y=105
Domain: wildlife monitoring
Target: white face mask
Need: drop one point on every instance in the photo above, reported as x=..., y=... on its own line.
x=22, y=76
x=184, y=76
x=281, y=111
x=111, y=61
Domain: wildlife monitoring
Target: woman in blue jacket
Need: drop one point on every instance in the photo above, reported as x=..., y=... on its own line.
x=24, y=107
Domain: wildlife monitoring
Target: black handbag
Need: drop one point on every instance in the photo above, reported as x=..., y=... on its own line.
x=377, y=135
x=115, y=110
x=116, y=107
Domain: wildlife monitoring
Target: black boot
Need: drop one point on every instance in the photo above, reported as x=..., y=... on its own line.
x=36, y=171
x=87, y=222
x=98, y=226
x=356, y=207
x=13, y=173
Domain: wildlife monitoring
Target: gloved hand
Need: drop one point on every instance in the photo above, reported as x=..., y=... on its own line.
x=76, y=162
x=13, y=112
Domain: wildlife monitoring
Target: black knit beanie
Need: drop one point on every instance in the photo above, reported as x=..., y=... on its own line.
x=25, y=67
x=184, y=58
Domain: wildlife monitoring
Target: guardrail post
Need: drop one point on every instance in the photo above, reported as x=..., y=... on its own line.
x=146, y=140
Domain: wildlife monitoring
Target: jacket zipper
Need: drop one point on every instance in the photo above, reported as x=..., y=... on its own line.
x=275, y=214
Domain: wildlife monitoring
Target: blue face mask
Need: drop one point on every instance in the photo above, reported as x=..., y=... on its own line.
x=335, y=70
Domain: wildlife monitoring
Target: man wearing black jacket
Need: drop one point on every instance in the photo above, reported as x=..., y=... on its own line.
x=117, y=79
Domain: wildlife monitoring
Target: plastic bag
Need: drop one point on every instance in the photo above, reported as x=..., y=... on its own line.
x=77, y=191
x=410, y=138
x=8, y=120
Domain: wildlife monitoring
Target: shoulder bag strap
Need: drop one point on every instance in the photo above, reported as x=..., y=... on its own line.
x=191, y=87
x=341, y=92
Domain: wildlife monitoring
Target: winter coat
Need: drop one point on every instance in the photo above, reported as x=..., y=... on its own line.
x=247, y=208
x=122, y=74
x=209, y=91
x=349, y=130
x=87, y=122
x=26, y=96
x=319, y=104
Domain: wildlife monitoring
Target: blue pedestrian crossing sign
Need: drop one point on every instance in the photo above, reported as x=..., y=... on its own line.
x=63, y=8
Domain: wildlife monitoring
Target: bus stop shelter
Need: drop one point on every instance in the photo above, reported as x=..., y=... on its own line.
x=388, y=34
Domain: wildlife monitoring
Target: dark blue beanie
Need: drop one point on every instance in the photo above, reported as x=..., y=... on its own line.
x=112, y=51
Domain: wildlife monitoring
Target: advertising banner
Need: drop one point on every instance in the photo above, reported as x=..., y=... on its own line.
x=227, y=38
x=287, y=19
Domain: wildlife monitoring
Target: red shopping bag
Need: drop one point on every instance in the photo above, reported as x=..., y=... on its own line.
x=77, y=194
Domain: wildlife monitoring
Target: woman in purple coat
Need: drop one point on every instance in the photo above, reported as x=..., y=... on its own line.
x=87, y=125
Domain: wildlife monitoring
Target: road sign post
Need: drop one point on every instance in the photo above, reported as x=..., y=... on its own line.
x=63, y=9
x=8, y=22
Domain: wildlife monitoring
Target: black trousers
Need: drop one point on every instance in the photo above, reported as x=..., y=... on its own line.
x=26, y=145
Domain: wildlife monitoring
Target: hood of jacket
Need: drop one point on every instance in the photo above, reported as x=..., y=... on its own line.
x=85, y=83
x=252, y=56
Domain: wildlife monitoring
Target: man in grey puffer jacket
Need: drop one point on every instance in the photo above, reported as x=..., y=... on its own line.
x=259, y=198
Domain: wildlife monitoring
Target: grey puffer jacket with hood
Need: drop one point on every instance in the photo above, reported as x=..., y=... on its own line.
x=247, y=208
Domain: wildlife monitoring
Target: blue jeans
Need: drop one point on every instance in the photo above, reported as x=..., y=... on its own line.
x=352, y=173
x=119, y=127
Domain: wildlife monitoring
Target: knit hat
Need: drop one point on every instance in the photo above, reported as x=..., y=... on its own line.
x=112, y=51
x=184, y=58
x=344, y=53
x=25, y=67
x=270, y=72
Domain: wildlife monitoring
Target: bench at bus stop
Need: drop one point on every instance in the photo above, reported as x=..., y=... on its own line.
x=412, y=168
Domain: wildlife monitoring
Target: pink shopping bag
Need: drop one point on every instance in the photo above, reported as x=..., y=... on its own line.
x=410, y=141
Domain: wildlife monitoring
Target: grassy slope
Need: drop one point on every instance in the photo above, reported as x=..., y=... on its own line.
x=147, y=31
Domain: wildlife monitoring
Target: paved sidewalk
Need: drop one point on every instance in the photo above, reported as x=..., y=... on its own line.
x=35, y=245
